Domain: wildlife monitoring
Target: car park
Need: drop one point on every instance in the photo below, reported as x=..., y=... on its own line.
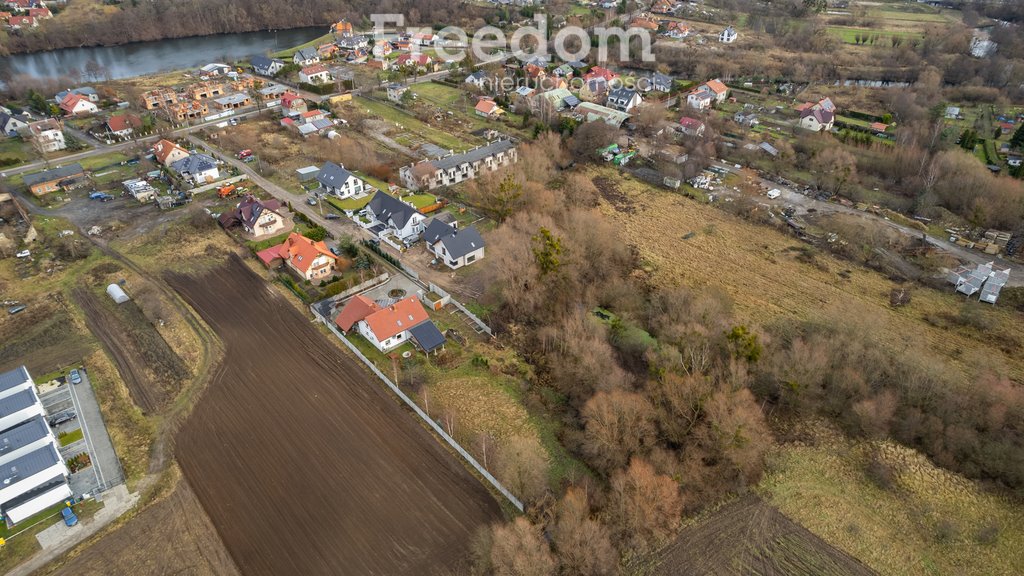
x=62, y=417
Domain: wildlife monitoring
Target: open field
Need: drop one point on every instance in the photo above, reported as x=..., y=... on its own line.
x=849, y=34
x=758, y=267
x=928, y=521
x=748, y=536
x=174, y=531
x=294, y=449
x=407, y=128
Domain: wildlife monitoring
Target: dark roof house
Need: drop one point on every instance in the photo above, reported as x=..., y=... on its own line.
x=387, y=208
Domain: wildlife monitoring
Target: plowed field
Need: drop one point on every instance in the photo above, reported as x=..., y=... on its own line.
x=303, y=463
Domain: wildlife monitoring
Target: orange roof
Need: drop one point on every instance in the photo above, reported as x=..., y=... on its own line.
x=70, y=101
x=396, y=318
x=301, y=251
x=164, y=148
x=124, y=122
x=288, y=98
x=486, y=106
x=358, y=308
x=716, y=86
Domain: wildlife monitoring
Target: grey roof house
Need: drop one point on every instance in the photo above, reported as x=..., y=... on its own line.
x=456, y=248
x=335, y=179
x=391, y=215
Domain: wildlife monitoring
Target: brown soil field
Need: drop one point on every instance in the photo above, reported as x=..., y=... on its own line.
x=43, y=337
x=748, y=536
x=172, y=536
x=303, y=462
x=147, y=364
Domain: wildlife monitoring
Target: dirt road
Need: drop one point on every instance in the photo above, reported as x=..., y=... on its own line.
x=303, y=462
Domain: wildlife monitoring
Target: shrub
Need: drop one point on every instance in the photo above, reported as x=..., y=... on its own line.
x=987, y=534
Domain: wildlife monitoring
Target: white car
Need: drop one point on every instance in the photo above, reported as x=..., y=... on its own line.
x=774, y=193
x=23, y=254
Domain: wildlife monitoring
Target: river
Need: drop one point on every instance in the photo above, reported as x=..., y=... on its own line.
x=142, y=58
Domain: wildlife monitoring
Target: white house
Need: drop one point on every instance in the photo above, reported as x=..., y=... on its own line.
x=33, y=476
x=315, y=74
x=385, y=328
x=691, y=126
x=817, y=116
x=707, y=95
x=390, y=215
x=75, y=105
x=266, y=66
x=87, y=92
x=478, y=79
x=455, y=168
x=336, y=180
x=12, y=124
x=306, y=57
x=46, y=135
x=396, y=91
x=623, y=99
x=197, y=169
x=728, y=36
x=456, y=248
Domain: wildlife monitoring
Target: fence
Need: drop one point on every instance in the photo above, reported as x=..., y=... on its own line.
x=426, y=418
x=363, y=286
x=483, y=326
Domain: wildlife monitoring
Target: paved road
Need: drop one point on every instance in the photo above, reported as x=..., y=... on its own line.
x=104, y=459
x=803, y=203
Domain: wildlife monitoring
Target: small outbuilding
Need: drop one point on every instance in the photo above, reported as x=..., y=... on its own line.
x=117, y=294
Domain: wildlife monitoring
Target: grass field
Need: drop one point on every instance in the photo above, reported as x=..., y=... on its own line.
x=849, y=34
x=929, y=521
x=757, y=267
x=411, y=126
x=288, y=53
x=14, y=149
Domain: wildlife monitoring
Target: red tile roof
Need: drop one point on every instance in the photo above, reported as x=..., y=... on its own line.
x=397, y=318
x=690, y=123
x=123, y=122
x=358, y=308
x=302, y=251
x=486, y=106
x=314, y=69
x=716, y=86
x=164, y=148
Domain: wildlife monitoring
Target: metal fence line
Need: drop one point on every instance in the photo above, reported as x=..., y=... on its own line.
x=426, y=418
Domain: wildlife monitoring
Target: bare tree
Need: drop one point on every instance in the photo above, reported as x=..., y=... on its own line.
x=583, y=544
x=643, y=506
x=518, y=549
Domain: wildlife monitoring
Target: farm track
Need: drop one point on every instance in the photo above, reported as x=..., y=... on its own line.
x=303, y=463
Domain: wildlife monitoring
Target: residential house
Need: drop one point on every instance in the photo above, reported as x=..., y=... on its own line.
x=87, y=92
x=590, y=112
x=204, y=90
x=215, y=69
x=389, y=215
x=159, y=98
x=42, y=13
x=327, y=51
x=292, y=104
x=691, y=126
x=232, y=101
x=266, y=66
x=384, y=327
x=381, y=48
x=598, y=71
x=661, y=82
x=707, y=95
x=396, y=91
x=817, y=116
x=353, y=43
x=558, y=99
x=273, y=92
x=306, y=57
x=19, y=22
x=664, y=7
x=316, y=74
x=12, y=124
x=257, y=217
x=310, y=260
x=728, y=36
x=312, y=116
x=525, y=92
x=746, y=118
x=623, y=99
x=123, y=125
x=594, y=89
x=342, y=28
x=644, y=23
x=455, y=168
x=488, y=109
x=167, y=152
x=336, y=180
x=189, y=109
x=953, y=113
x=420, y=62
x=478, y=79
x=456, y=248
x=535, y=72
x=423, y=39
x=141, y=190
x=60, y=178
x=45, y=135
x=563, y=71
x=75, y=105
x=197, y=169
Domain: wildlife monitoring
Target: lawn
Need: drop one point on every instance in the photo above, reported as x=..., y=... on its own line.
x=14, y=149
x=849, y=34
x=69, y=438
x=411, y=124
x=348, y=204
x=420, y=201
x=439, y=94
x=926, y=520
x=21, y=540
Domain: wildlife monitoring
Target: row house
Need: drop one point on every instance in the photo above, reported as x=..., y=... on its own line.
x=456, y=168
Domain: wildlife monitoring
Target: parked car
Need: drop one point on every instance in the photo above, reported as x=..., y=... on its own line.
x=311, y=201
x=75, y=377
x=15, y=309
x=332, y=216
x=774, y=193
x=23, y=254
x=62, y=417
x=70, y=519
x=233, y=122
x=335, y=251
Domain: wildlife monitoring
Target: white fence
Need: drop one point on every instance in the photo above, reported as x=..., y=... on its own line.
x=426, y=418
x=363, y=286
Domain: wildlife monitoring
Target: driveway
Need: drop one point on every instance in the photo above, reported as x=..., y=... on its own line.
x=105, y=466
